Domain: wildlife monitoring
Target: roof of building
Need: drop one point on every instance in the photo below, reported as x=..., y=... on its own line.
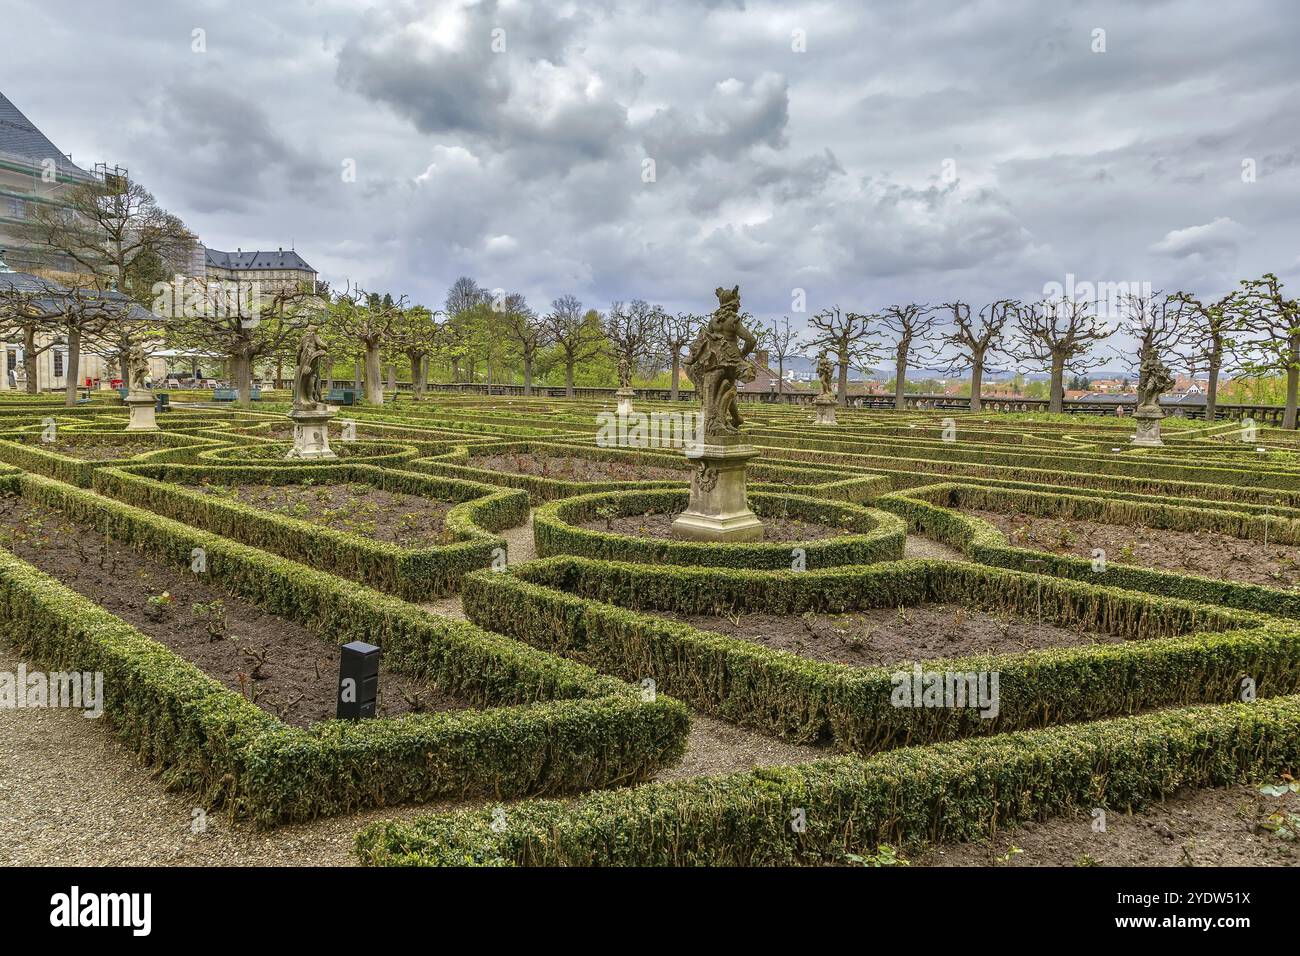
x=279, y=259
x=19, y=137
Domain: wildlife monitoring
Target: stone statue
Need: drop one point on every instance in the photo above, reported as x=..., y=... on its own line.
x=716, y=361
x=624, y=372
x=306, y=382
x=138, y=367
x=824, y=370
x=1156, y=380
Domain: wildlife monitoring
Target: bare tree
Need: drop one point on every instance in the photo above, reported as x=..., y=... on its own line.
x=632, y=330
x=1158, y=326
x=1212, y=328
x=526, y=331
x=370, y=320
x=1056, y=334
x=849, y=337
x=578, y=334
x=782, y=340
x=1274, y=320
x=910, y=327
x=675, y=334
x=978, y=341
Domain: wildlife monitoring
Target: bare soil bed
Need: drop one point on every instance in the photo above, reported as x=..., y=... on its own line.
x=574, y=468
x=281, y=666
x=411, y=521
x=1204, y=553
x=107, y=448
x=661, y=525
x=884, y=636
x=1230, y=826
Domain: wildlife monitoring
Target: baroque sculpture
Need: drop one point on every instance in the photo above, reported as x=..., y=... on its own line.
x=1155, y=381
x=718, y=509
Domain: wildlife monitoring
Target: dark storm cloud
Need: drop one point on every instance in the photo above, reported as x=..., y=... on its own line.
x=912, y=150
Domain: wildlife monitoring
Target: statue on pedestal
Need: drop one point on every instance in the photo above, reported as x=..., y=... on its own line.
x=138, y=369
x=716, y=360
x=718, y=509
x=1155, y=380
x=824, y=371
x=624, y=372
x=306, y=381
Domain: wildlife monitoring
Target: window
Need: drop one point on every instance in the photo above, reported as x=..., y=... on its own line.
x=58, y=363
x=17, y=209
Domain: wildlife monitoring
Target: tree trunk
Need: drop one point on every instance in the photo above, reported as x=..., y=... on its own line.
x=392, y=378
x=72, y=367
x=1292, y=380
x=455, y=370
x=900, y=378
x=241, y=376
x=528, y=373
x=844, y=377
x=780, y=377
x=374, y=381
x=677, y=372
x=279, y=371
x=1056, y=393
x=356, y=368
x=976, y=382
x=1212, y=384
x=419, y=374
x=29, y=359
x=568, y=377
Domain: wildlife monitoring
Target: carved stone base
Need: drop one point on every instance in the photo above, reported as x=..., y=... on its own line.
x=624, y=396
x=718, y=509
x=825, y=406
x=311, y=433
x=141, y=405
x=1147, y=418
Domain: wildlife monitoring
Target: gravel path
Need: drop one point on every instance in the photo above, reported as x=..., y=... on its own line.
x=916, y=546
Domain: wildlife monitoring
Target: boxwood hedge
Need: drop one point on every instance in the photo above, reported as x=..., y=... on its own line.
x=551, y=725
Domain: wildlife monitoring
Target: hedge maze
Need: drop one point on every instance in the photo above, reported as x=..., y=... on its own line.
x=966, y=620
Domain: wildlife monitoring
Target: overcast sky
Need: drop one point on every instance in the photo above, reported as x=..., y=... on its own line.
x=910, y=151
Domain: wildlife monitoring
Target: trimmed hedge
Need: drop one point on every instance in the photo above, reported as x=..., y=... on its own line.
x=814, y=481
x=269, y=453
x=930, y=510
x=414, y=573
x=555, y=726
x=874, y=534
x=30, y=456
x=602, y=613
x=944, y=793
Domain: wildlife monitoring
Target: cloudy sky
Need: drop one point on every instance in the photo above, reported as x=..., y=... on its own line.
x=912, y=151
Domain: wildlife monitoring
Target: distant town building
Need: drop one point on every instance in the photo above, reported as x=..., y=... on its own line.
x=766, y=380
x=278, y=271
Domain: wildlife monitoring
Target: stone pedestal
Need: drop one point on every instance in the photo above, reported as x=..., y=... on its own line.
x=1147, y=418
x=311, y=433
x=141, y=405
x=825, y=406
x=718, y=509
x=624, y=396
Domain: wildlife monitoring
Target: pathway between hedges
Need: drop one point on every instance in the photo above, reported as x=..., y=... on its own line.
x=73, y=795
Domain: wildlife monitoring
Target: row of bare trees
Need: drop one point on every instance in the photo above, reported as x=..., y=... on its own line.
x=1254, y=329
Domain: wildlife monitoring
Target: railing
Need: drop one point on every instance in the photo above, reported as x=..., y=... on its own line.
x=1264, y=414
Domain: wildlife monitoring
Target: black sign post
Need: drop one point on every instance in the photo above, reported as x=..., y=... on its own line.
x=358, y=681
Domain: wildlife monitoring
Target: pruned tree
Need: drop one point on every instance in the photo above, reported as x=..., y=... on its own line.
x=1212, y=330
x=527, y=333
x=632, y=331
x=464, y=301
x=976, y=343
x=418, y=335
x=1157, y=325
x=782, y=341
x=1273, y=321
x=577, y=335
x=676, y=333
x=1057, y=335
x=909, y=326
x=369, y=320
x=237, y=319
x=849, y=337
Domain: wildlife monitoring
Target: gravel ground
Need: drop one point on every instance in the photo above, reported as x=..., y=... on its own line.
x=916, y=546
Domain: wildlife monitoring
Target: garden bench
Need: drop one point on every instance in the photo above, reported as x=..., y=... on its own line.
x=341, y=396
